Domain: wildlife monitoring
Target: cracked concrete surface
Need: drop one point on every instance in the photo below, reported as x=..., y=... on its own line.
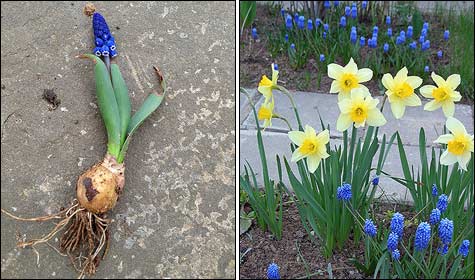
x=176, y=216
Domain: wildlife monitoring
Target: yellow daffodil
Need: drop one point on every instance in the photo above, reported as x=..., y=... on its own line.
x=459, y=144
x=266, y=86
x=265, y=113
x=359, y=109
x=444, y=94
x=400, y=91
x=347, y=78
x=311, y=146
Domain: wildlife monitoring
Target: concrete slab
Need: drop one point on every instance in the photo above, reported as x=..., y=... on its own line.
x=313, y=105
x=176, y=218
x=278, y=144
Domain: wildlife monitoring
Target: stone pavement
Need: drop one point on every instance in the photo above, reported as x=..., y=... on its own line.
x=311, y=105
x=176, y=218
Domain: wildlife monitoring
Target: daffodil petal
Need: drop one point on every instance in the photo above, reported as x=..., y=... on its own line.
x=360, y=92
x=335, y=71
x=432, y=105
x=297, y=155
x=335, y=87
x=439, y=81
x=464, y=159
x=344, y=122
x=343, y=95
x=456, y=96
x=447, y=158
x=388, y=81
x=309, y=131
x=444, y=139
x=266, y=91
x=345, y=105
x=449, y=108
x=453, y=81
x=351, y=67
x=414, y=81
x=313, y=162
x=296, y=137
x=324, y=137
x=426, y=91
x=398, y=109
x=375, y=118
x=455, y=126
x=364, y=75
x=412, y=100
x=401, y=76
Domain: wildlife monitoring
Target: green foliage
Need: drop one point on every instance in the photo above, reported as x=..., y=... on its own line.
x=247, y=13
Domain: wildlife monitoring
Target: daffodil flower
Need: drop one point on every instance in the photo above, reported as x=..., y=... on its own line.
x=266, y=86
x=359, y=109
x=311, y=146
x=444, y=94
x=348, y=78
x=459, y=144
x=265, y=113
x=400, y=91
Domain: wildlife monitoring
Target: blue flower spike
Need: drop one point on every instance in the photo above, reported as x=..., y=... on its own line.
x=392, y=241
x=434, y=190
x=370, y=228
x=464, y=248
x=426, y=69
x=396, y=255
x=443, y=201
x=434, y=217
x=397, y=224
x=446, y=230
x=322, y=58
x=103, y=37
x=344, y=192
x=422, y=238
x=273, y=271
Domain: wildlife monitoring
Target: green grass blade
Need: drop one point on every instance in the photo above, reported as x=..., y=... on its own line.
x=123, y=100
x=107, y=104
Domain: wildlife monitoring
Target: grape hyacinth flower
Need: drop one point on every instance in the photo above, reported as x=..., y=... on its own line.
x=402, y=34
x=301, y=22
x=370, y=44
x=434, y=217
x=388, y=20
x=326, y=4
x=105, y=43
x=322, y=58
x=398, y=40
x=347, y=10
x=292, y=46
x=464, y=248
x=422, y=236
x=422, y=39
x=413, y=45
x=282, y=12
x=364, y=4
x=442, y=203
x=410, y=31
x=324, y=35
x=318, y=22
x=353, y=36
x=375, y=29
x=254, y=33
x=397, y=224
x=425, y=25
x=344, y=192
x=434, y=190
x=375, y=180
x=446, y=230
x=392, y=241
x=276, y=67
x=273, y=271
x=336, y=3
x=310, y=24
x=390, y=32
x=424, y=32
x=362, y=41
x=439, y=54
x=446, y=35
x=374, y=42
x=396, y=255
x=426, y=69
x=296, y=17
x=426, y=45
x=325, y=27
x=354, y=12
x=288, y=22
x=386, y=47
x=369, y=228
x=443, y=250
x=343, y=21
x=286, y=37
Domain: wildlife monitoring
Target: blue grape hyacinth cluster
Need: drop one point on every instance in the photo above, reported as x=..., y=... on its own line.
x=422, y=236
x=344, y=192
x=273, y=271
x=369, y=228
x=104, y=41
x=397, y=224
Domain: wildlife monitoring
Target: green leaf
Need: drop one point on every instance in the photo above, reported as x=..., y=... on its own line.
x=107, y=104
x=123, y=100
x=247, y=12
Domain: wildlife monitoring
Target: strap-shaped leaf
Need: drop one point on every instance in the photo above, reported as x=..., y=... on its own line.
x=150, y=104
x=107, y=104
x=123, y=100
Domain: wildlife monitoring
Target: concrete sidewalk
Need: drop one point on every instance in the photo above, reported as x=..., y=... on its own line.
x=176, y=217
x=313, y=105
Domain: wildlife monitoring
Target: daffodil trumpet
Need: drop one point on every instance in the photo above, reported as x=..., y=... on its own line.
x=99, y=187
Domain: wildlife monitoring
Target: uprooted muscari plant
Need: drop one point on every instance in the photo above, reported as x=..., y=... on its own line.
x=86, y=236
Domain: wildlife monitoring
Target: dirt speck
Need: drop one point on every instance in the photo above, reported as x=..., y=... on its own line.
x=3, y=87
x=91, y=192
x=50, y=96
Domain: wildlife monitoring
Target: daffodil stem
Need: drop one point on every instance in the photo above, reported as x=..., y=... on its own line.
x=286, y=92
x=284, y=119
x=383, y=102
